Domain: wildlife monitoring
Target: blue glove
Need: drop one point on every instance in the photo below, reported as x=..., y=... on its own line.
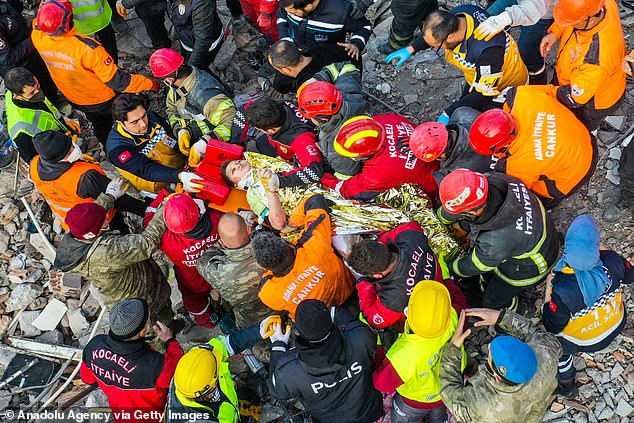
x=444, y=119
x=402, y=55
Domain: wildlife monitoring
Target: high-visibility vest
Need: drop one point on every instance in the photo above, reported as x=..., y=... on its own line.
x=90, y=16
x=32, y=121
x=61, y=193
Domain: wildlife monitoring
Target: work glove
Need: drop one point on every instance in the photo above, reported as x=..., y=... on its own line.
x=278, y=335
x=265, y=20
x=117, y=187
x=178, y=125
x=191, y=181
x=266, y=326
x=155, y=85
x=492, y=26
x=73, y=125
x=329, y=180
x=402, y=55
x=358, y=9
x=184, y=141
x=270, y=180
x=248, y=216
x=198, y=128
x=121, y=10
x=197, y=152
x=444, y=119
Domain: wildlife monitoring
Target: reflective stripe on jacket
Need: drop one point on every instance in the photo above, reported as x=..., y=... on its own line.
x=90, y=16
x=32, y=121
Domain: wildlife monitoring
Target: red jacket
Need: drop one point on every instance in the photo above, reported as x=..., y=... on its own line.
x=134, y=377
x=392, y=165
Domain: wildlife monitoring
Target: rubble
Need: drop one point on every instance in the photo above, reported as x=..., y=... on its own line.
x=51, y=315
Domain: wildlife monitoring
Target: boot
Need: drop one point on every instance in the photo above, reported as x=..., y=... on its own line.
x=539, y=78
x=567, y=388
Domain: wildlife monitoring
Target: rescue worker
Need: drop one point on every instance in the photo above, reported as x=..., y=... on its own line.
x=294, y=67
x=16, y=49
x=330, y=368
x=449, y=145
x=308, y=268
x=65, y=177
x=263, y=15
x=408, y=16
x=534, y=17
x=289, y=136
x=86, y=74
x=115, y=263
x=539, y=141
x=589, y=76
x=190, y=231
x=30, y=112
x=229, y=266
x=197, y=103
x=152, y=14
x=390, y=268
x=514, y=242
x=92, y=18
x=141, y=147
x=584, y=303
x=198, y=28
x=203, y=384
x=411, y=366
x=310, y=22
x=378, y=143
x=489, y=67
x=131, y=374
x=516, y=382
x=328, y=102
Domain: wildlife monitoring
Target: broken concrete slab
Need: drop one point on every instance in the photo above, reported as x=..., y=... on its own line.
x=22, y=295
x=53, y=337
x=26, y=319
x=78, y=323
x=71, y=284
x=51, y=315
x=40, y=245
x=616, y=122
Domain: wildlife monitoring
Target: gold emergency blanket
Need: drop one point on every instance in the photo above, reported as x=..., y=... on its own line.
x=396, y=206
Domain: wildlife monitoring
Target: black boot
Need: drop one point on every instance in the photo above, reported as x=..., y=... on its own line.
x=540, y=78
x=567, y=388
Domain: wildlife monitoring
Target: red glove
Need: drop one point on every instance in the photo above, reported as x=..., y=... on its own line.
x=366, y=289
x=155, y=85
x=265, y=20
x=329, y=180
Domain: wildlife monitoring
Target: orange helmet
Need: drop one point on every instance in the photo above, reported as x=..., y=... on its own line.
x=429, y=141
x=492, y=131
x=360, y=136
x=55, y=17
x=570, y=12
x=463, y=190
x=319, y=98
x=165, y=61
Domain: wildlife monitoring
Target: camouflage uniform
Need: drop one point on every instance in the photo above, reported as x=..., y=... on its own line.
x=482, y=399
x=236, y=276
x=119, y=266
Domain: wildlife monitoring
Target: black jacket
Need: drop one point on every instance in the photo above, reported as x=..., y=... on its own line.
x=15, y=40
x=513, y=225
x=342, y=393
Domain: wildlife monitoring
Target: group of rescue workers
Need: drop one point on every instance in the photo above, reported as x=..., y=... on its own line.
x=348, y=326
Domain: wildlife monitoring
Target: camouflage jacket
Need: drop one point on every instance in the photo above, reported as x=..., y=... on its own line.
x=482, y=399
x=236, y=276
x=120, y=266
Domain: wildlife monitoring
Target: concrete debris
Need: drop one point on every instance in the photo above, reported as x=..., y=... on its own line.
x=25, y=320
x=51, y=315
x=22, y=295
x=616, y=122
x=78, y=323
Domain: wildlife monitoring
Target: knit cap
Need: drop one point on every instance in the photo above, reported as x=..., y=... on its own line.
x=52, y=146
x=128, y=318
x=85, y=220
x=313, y=321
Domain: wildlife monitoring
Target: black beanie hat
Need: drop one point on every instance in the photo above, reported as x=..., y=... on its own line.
x=53, y=146
x=313, y=321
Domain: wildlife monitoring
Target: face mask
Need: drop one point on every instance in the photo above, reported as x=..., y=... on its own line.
x=245, y=181
x=37, y=98
x=75, y=155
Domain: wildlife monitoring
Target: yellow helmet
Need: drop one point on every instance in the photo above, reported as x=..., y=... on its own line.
x=197, y=371
x=429, y=309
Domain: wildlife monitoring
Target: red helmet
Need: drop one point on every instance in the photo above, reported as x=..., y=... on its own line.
x=181, y=213
x=463, y=190
x=165, y=61
x=55, y=17
x=319, y=98
x=360, y=136
x=570, y=12
x=429, y=141
x=492, y=131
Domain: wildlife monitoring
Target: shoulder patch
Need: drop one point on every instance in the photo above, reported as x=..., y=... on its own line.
x=123, y=157
x=553, y=307
x=3, y=44
x=108, y=61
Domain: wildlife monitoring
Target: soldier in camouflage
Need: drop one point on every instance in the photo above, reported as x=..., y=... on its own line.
x=233, y=272
x=119, y=266
x=516, y=382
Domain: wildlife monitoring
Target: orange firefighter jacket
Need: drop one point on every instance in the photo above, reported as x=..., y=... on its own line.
x=82, y=69
x=553, y=150
x=589, y=62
